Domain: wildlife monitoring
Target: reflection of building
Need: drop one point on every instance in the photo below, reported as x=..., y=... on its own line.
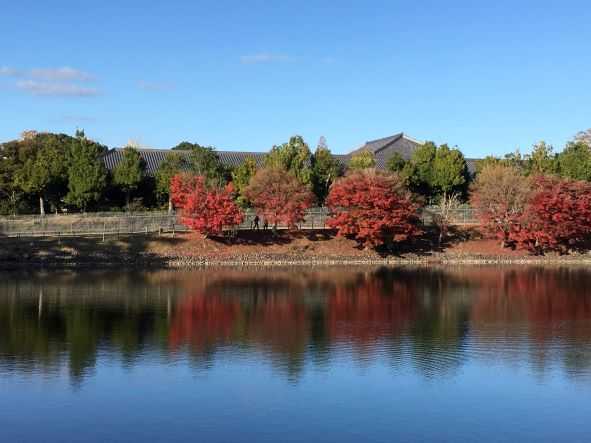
x=383, y=149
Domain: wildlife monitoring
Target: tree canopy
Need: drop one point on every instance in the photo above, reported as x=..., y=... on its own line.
x=279, y=197
x=86, y=172
x=325, y=169
x=204, y=162
x=172, y=165
x=436, y=171
x=373, y=207
x=129, y=173
x=241, y=176
x=44, y=172
x=574, y=161
x=542, y=160
x=294, y=157
x=363, y=159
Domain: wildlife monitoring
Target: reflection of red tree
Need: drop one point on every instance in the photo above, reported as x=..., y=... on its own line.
x=541, y=298
x=203, y=320
x=206, y=320
x=370, y=310
x=360, y=312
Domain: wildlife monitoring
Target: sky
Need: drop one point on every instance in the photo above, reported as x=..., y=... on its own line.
x=488, y=77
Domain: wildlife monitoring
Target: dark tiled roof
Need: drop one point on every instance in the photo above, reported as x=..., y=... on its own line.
x=154, y=157
x=471, y=163
x=382, y=148
x=378, y=144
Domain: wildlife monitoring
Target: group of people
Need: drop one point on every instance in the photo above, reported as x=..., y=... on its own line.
x=255, y=225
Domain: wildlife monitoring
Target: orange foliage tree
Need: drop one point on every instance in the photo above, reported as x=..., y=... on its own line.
x=500, y=194
x=373, y=207
x=206, y=209
x=279, y=197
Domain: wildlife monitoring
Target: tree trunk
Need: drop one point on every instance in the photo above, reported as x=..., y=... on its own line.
x=127, y=200
x=41, y=206
x=170, y=207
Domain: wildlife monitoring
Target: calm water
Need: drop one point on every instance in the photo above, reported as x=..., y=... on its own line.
x=347, y=355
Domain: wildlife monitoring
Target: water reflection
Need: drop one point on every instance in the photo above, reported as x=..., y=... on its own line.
x=432, y=322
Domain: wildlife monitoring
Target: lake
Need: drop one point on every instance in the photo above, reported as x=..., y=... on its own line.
x=340, y=354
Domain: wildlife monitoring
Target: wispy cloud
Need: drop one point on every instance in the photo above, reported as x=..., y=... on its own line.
x=264, y=58
x=155, y=86
x=7, y=71
x=62, y=73
x=61, y=81
x=48, y=88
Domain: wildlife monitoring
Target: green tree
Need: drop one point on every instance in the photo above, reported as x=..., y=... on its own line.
x=293, y=156
x=396, y=163
x=173, y=164
x=419, y=170
x=204, y=161
x=325, y=169
x=186, y=146
x=44, y=172
x=362, y=160
x=436, y=171
x=574, y=161
x=450, y=172
x=86, y=172
x=129, y=173
x=542, y=160
x=10, y=192
x=241, y=176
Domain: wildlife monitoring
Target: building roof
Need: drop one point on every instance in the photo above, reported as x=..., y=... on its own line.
x=154, y=157
x=405, y=145
x=382, y=148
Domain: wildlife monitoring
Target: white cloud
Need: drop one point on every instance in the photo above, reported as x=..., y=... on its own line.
x=264, y=58
x=52, y=88
x=155, y=86
x=63, y=73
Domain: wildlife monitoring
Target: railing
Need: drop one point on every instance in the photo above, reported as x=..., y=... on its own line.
x=110, y=224
x=463, y=216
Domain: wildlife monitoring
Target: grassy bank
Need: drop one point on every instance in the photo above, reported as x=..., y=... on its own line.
x=191, y=250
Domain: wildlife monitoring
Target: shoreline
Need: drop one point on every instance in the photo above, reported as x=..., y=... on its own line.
x=192, y=262
x=189, y=251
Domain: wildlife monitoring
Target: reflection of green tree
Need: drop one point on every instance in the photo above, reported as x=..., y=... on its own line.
x=291, y=321
x=440, y=330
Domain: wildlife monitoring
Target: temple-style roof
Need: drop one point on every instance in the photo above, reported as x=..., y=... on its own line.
x=382, y=148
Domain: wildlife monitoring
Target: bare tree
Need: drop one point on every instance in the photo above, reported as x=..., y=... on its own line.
x=444, y=217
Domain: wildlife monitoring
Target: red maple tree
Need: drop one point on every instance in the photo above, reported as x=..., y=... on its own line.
x=373, y=207
x=278, y=197
x=557, y=216
x=205, y=209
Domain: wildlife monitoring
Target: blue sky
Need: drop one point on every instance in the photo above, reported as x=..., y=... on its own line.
x=488, y=77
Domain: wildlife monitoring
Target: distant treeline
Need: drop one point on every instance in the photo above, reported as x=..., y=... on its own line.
x=55, y=172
